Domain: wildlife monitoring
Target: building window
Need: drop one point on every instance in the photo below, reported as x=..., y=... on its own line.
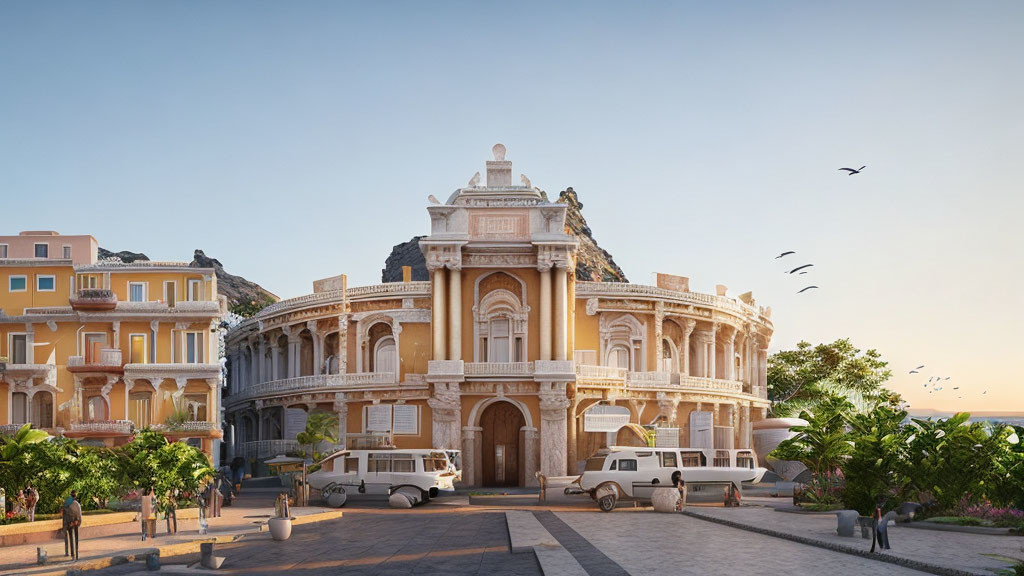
x=97, y=409
x=42, y=250
x=194, y=348
x=618, y=357
x=19, y=409
x=136, y=291
x=196, y=407
x=385, y=355
x=138, y=348
x=46, y=283
x=3, y=250
x=170, y=293
x=67, y=252
x=17, y=283
x=138, y=409
x=42, y=410
x=195, y=290
x=19, y=349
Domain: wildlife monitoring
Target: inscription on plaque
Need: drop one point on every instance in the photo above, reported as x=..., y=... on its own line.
x=504, y=225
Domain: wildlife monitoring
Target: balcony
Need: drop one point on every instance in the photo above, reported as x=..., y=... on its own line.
x=100, y=428
x=499, y=369
x=107, y=360
x=190, y=429
x=92, y=300
x=322, y=383
x=172, y=370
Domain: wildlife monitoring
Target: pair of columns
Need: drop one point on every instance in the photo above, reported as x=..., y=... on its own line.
x=554, y=349
x=446, y=313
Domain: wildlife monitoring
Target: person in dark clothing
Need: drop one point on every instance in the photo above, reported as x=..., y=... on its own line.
x=680, y=485
x=237, y=471
x=879, y=528
x=72, y=518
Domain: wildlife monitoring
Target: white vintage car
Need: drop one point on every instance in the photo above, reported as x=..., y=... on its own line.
x=632, y=472
x=420, y=473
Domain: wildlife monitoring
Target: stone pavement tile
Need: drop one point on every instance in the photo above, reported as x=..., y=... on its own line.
x=589, y=557
x=972, y=553
x=651, y=544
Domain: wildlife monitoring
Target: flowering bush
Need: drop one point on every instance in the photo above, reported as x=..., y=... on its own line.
x=984, y=510
x=10, y=518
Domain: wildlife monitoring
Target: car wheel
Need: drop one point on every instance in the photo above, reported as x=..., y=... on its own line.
x=607, y=503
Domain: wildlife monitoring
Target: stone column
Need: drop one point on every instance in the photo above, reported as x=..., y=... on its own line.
x=553, y=434
x=530, y=442
x=545, y=311
x=730, y=356
x=685, y=352
x=455, y=312
x=472, y=440
x=128, y=385
x=261, y=365
x=762, y=373
x=341, y=409
x=571, y=455
x=712, y=360
x=437, y=317
x=343, y=344
x=30, y=346
x=561, y=312
x=745, y=429
x=275, y=360
x=116, y=326
x=446, y=416
x=659, y=334
x=702, y=354
x=294, y=355
x=154, y=326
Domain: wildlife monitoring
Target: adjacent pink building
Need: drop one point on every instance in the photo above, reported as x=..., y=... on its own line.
x=47, y=244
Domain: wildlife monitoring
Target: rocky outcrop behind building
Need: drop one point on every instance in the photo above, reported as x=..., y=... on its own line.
x=593, y=262
x=245, y=297
x=405, y=254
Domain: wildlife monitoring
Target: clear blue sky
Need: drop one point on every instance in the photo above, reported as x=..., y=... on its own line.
x=298, y=140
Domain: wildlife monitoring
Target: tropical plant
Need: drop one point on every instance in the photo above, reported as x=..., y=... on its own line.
x=821, y=446
x=320, y=426
x=802, y=378
x=874, y=467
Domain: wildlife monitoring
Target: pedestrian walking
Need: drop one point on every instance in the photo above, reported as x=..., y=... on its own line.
x=31, y=499
x=171, y=512
x=237, y=471
x=72, y=519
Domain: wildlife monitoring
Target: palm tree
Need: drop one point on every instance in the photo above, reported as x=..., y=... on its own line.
x=822, y=445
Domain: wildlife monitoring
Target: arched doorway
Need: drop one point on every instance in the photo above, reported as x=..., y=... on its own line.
x=502, y=455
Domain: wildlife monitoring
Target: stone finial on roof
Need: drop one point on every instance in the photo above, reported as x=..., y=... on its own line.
x=499, y=152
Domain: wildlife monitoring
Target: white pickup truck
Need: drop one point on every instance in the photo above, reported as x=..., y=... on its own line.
x=423, y=473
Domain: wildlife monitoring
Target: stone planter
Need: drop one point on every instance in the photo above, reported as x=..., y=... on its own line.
x=280, y=528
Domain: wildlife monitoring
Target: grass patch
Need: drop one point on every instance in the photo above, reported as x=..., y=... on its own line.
x=959, y=521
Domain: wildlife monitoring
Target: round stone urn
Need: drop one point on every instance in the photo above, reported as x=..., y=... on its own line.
x=768, y=434
x=280, y=528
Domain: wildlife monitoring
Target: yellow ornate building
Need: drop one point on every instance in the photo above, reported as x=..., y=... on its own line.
x=503, y=353
x=97, y=349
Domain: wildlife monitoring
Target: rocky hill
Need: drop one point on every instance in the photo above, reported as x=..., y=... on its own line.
x=245, y=297
x=593, y=262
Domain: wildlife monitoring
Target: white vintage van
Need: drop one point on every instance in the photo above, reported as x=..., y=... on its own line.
x=634, y=472
x=426, y=472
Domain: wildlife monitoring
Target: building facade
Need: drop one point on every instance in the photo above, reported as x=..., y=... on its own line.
x=95, y=350
x=502, y=353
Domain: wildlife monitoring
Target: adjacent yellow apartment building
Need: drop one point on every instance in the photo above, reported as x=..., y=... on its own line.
x=96, y=349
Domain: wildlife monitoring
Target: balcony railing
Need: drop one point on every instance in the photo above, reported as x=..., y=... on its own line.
x=188, y=426
x=92, y=299
x=498, y=369
x=106, y=360
x=585, y=371
x=314, y=384
x=103, y=427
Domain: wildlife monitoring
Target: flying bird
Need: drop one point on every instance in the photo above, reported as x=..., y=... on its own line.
x=932, y=378
x=919, y=367
x=800, y=268
x=785, y=254
x=947, y=377
x=956, y=387
x=985, y=392
x=806, y=289
x=804, y=272
x=851, y=171
x=914, y=372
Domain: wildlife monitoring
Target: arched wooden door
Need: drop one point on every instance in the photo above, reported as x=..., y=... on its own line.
x=500, y=461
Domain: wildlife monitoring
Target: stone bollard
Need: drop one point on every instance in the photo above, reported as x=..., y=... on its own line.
x=665, y=499
x=847, y=521
x=40, y=556
x=206, y=557
x=153, y=561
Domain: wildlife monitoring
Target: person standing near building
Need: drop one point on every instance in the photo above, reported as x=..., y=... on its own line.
x=145, y=511
x=72, y=515
x=680, y=484
x=31, y=499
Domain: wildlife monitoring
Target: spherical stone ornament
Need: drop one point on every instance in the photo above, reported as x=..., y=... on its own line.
x=665, y=499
